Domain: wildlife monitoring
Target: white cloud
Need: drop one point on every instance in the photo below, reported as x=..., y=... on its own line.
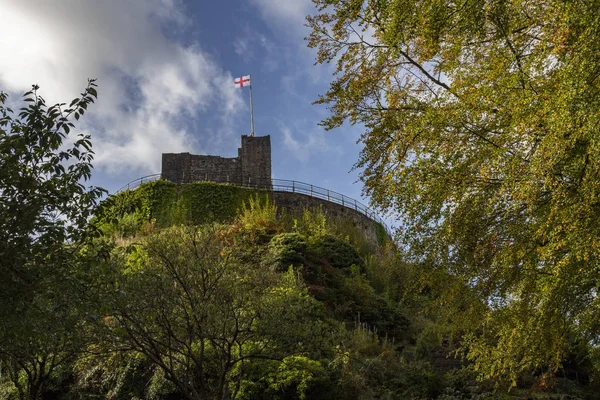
x=148, y=84
x=303, y=146
x=287, y=15
x=252, y=45
x=241, y=48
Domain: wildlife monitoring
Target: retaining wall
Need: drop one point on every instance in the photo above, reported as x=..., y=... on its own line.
x=296, y=203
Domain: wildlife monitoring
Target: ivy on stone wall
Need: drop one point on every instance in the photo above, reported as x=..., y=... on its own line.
x=201, y=202
x=382, y=235
x=163, y=203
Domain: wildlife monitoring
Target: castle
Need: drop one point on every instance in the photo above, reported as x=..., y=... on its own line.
x=252, y=166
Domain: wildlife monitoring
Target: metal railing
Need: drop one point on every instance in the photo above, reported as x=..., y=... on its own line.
x=137, y=182
x=284, y=185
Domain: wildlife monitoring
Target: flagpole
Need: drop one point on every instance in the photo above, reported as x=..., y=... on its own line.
x=251, y=112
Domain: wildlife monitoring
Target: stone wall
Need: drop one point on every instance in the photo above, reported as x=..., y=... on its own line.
x=173, y=166
x=252, y=166
x=296, y=202
x=255, y=155
x=186, y=168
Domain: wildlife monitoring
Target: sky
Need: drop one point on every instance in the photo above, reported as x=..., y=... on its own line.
x=165, y=71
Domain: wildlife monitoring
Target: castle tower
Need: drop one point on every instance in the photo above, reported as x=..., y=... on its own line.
x=255, y=157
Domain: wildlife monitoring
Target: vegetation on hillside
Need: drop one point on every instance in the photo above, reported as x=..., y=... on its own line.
x=209, y=291
x=255, y=307
x=44, y=209
x=163, y=203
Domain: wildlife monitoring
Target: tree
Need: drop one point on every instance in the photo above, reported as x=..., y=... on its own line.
x=186, y=301
x=482, y=134
x=44, y=208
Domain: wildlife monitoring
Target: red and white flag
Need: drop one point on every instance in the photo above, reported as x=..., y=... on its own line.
x=243, y=81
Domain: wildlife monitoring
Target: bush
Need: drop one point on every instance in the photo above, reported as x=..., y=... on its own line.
x=288, y=249
x=336, y=252
x=257, y=211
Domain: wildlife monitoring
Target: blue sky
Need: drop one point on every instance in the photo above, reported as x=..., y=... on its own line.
x=165, y=71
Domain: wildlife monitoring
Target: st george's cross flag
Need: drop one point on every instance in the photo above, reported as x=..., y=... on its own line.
x=243, y=81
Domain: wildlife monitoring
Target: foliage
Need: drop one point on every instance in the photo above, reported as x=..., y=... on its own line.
x=331, y=267
x=209, y=314
x=337, y=252
x=365, y=304
x=296, y=371
x=369, y=367
x=288, y=249
x=155, y=301
x=481, y=125
x=312, y=222
x=118, y=375
x=255, y=213
x=44, y=209
x=317, y=222
x=205, y=201
x=163, y=203
x=44, y=202
x=382, y=235
x=257, y=218
x=263, y=305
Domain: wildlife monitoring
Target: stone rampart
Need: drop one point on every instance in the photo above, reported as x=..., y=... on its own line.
x=252, y=166
x=296, y=202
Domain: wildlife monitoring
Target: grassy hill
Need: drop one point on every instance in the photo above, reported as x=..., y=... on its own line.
x=210, y=292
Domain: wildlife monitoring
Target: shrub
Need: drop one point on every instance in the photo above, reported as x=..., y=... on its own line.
x=337, y=252
x=288, y=249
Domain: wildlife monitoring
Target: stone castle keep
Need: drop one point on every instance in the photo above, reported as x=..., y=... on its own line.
x=251, y=167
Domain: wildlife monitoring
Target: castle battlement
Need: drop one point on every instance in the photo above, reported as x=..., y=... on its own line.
x=252, y=166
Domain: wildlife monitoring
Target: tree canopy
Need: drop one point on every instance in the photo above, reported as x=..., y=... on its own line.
x=482, y=133
x=44, y=211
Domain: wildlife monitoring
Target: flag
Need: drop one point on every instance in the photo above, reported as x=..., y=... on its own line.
x=243, y=81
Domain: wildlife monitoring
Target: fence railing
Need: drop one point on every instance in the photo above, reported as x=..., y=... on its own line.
x=137, y=182
x=284, y=185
